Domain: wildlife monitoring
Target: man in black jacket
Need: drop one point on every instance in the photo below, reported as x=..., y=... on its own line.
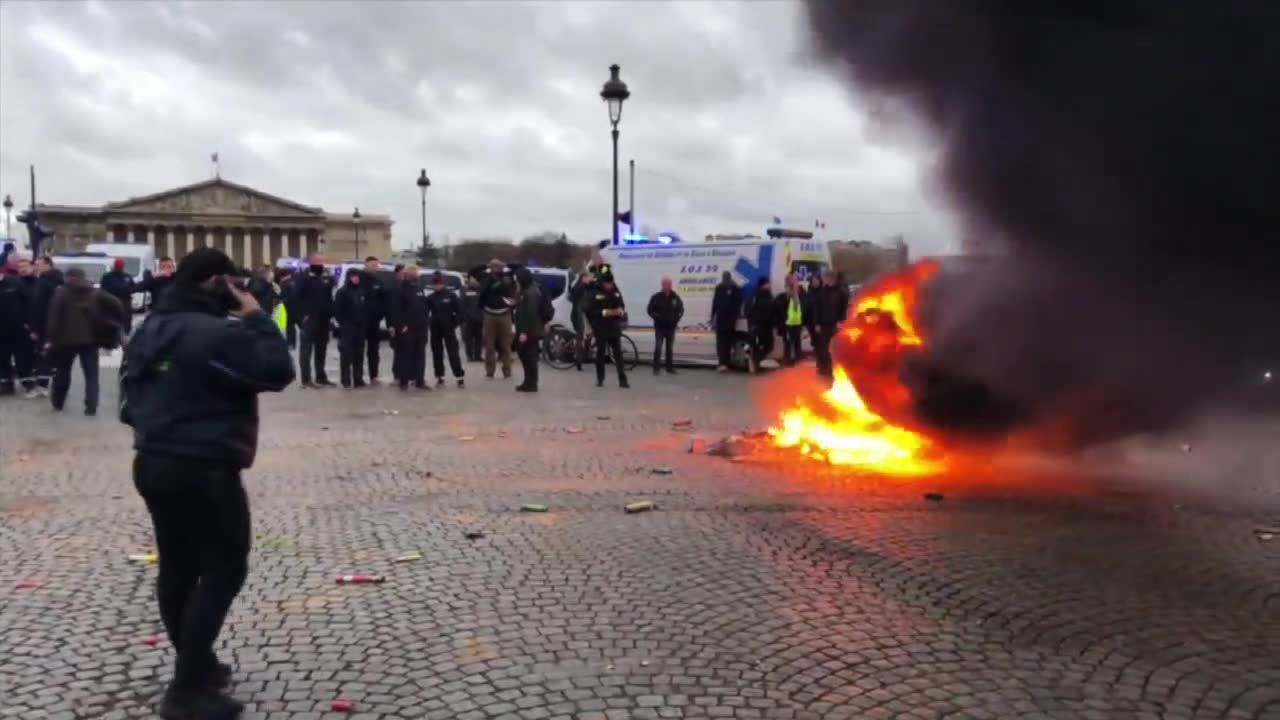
x=829, y=309
x=446, y=317
x=472, y=320
x=608, y=315
x=529, y=328
x=411, y=316
x=264, y=289
x=351, y=315
x=726, y=306
x=159, y=282
x=48, y=280
x=665, y=308
x=376, y=299
x=580, y=296
x=15, y=331
x=760, y=315
x=313, y=296
x=189, y=389
x=120, y=285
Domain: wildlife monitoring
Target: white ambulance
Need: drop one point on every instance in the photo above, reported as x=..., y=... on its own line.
x=139, y=261
x=695, y=269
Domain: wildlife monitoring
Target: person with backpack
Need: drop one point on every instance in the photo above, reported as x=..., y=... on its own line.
x=446, y=317
x=82, y=320
x=529, y=314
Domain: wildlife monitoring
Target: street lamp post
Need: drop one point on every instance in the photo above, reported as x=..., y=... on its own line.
x=614, y=92
x=423, y=183
x=355, y=221
x=8, y=221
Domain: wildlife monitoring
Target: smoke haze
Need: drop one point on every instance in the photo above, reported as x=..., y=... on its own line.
x=1119, y=156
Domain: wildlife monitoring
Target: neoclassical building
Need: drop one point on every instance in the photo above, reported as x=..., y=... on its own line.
x=249, y=225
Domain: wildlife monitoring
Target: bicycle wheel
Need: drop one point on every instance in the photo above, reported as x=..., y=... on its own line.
x=630, y=355
x=558, y=348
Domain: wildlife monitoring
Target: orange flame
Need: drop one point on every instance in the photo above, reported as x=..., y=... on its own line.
x=838, y=426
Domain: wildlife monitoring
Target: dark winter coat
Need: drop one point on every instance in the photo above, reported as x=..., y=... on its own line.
x=313, y=298
x=666, y=309
x=445, y=309
x=42, y=296
x=410, y=312
x=350, y=310
x=376, y=299
x=726, y=306
x=528, y=320
x=192, y=376
x=829, y=306
x=156, y=285
x=760, y=310
x=119, y=285
x=15, y=307
x=600, y=301
x=80, y=313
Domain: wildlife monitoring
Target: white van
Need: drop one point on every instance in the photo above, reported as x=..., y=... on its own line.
x=94, y=264
x=695, y=269
x=139, y=261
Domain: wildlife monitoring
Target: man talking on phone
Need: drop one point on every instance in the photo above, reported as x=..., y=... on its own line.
x=189, y=388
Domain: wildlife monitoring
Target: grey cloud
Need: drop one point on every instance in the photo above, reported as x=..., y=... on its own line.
x=339, y=104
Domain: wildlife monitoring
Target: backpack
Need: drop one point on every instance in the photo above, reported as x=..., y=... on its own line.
x=546, y=311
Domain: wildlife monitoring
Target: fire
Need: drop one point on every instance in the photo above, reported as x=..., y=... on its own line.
x=839, y=425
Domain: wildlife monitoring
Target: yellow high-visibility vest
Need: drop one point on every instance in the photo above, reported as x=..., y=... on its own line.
x=794, y=316
x=281, y=316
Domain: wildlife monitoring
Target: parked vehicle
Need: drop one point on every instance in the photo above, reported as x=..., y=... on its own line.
x=94, y=264
x=695, y=269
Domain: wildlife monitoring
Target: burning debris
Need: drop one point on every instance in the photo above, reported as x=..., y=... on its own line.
x=1113, y=158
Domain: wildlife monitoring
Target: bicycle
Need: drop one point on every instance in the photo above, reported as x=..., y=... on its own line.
x=560, y=348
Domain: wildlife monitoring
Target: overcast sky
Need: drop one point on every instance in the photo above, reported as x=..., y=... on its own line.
x=731, y=121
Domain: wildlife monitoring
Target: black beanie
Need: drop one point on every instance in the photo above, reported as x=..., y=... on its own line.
x=201, y=264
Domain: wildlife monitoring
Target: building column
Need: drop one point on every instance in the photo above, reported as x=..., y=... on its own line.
x=128, y=233
x=151, y=236
x=191, y=240
x=166, y=248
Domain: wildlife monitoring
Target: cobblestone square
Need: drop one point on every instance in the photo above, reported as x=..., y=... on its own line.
x=753, y=590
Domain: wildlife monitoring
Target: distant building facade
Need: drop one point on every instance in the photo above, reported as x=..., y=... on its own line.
x=251, y=226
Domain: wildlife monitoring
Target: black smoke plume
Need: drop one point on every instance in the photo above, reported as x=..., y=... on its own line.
x=1121, y=155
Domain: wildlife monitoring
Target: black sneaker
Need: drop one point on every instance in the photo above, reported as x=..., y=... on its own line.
x=506, y=373
x=307, y=385
x=599, y=383
x=324, y=383
x=203, y=704
x=672, y=371
x=439, y=382
x=462, y=383
x=90, y=412
x=624, y=384
x=221, y=676
x=359, y=385
x=525, y=388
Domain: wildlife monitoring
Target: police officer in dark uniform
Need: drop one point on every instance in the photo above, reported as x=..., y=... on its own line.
x=608, y=315
x=446, y=316
x=351, y=314
x=411, y=316
x=376, y=301
x=760, y=316
x=313, y=295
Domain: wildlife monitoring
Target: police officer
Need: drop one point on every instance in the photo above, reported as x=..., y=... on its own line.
x=760, y=315
x=608, y=315
x=446, y=317
x=376, y=300
x=829, y=309
x=351, y=315
x=313, y=296
x=15, y=333
x=190, y=383
x=726, y=306
x=48, y=280
x=411, y=317
x=529, y=328
x=120, y=285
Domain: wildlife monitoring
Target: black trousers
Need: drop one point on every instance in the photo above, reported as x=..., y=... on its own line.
x=351, y=357
x=761, y=343
x=791, y=344
x=528, y=351
x=473, y=339
x=313, y=343
x=63, y=357
x=291, y=332
x=724, y=346
x=17, y=361
x=822, y=345
x=440, y=341
x=413, y=364
x=611, y=345
x=663, y=338
x=201, y=518
x=373, y=348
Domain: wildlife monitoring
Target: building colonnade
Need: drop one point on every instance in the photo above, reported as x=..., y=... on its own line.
x=247, y=245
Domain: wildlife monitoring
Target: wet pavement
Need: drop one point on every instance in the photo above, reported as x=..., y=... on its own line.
x=753, y=590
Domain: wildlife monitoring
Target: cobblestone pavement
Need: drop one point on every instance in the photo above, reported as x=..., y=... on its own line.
x=756, y=590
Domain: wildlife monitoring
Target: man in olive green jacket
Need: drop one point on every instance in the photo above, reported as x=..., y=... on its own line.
x=529, y=328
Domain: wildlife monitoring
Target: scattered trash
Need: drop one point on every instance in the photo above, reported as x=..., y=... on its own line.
x=390, y=412
x=682, y=422
x=1186, y=447
x=342, y=706
x=377, y=463
x=409, y=557
x=533, y=508
x=608, y=667
x=324, y=427
x=573, y=429
x=755, y=434
x=603, y=417
x=502, y=433
x=23, y=458
x=697, y=445
x=26, y=585
x=144, y=558
x=639, y=507
x=151, y=640
x=474, y=535
x=275, y=542
x=732, y=447
x=662, y=471
x=467, y=438
x=1266, y=537
x=1267, y=529
x=644, y=663
x=361, y=580
x=933, y=496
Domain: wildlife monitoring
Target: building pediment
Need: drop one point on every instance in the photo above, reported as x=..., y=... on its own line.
x=216, y=197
